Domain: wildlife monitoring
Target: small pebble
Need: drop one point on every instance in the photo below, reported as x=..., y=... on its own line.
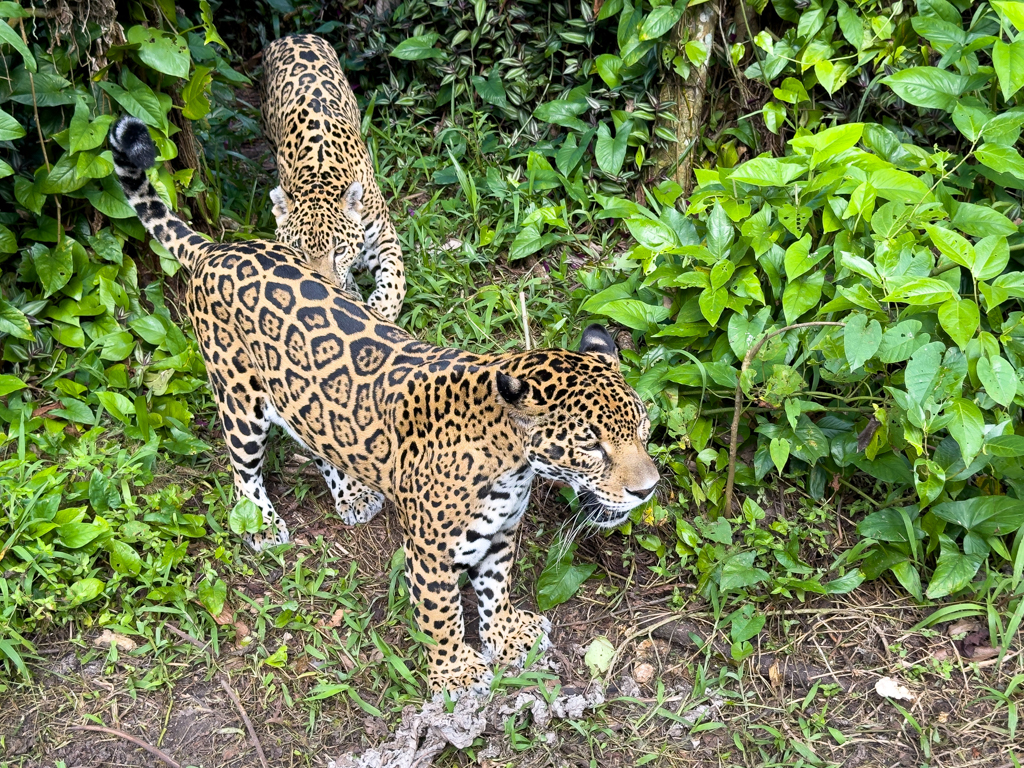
x=643, y=673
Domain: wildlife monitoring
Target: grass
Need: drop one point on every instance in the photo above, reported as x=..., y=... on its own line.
x=317, y=639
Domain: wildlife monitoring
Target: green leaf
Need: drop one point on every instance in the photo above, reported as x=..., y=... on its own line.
x=924, y=371
x=851, y=25
x=418, y=48
x=928, y=87
x=528, y=240
x=491, y=89
x=116, y=404
x=900, y=186
x=124, y=558
x=802, y=294
x=634, y=313
x=86, y=135
x=213, y=594
x=930, y=485
x=952, y=245
x=562, y=112
x=778, y=449
x=798, y=259
x=63, y=177
x=194, y=95
x=10, y=129
x=278, y=659
x=245, y=517
x=54, y=266
x=163, y=51
x=1005, y=446
x=891, y=525
x=992, y=254
x=954, y=569
x=922, y=291
x=13, y=39
x=966, y=427
x=768, y=171
x=861, y=339
x=1008, y=61
x=907, y=575
x=76, y=535
x=84, y=590
x=110, y=200
x=10, y=384
x=138, y=99
x=738, y=571
x=999, y=379
x=599, y=656
x=828, y=143
x=981, y=221
x=611, y=153
x=712, y=302
x=8, y=242
x=560, y=579
x=608, y=66
x=970, y=120
x=211, y=31
x=659, y=21
x=14, y=322
x=92, y=166
x=720, y=232
x=1001, y=159
x=960, y=319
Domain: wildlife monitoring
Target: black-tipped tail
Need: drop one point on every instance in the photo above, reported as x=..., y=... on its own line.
x=131, y=144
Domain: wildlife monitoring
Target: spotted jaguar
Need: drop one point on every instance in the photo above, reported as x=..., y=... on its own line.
x=454, y=439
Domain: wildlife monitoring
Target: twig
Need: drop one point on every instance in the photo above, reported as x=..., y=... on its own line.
x=738, y=404
x=245, y=719
x=526, y=322
x=187, y=637
x=114, y=732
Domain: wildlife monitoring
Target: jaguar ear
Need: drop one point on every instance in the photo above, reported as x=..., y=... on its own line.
x=511, y=389
x=597, y=341
x=352, y=204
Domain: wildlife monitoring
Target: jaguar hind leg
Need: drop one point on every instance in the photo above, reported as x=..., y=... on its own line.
x=354, y=502
x=245, y=433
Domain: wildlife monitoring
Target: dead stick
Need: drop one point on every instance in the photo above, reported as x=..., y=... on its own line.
x=245, y=719
x=187, y=637
x=738, y=402
x=113, y=732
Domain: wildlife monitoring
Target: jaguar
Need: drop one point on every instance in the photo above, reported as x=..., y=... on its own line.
x=453, y=438
x=328, y=204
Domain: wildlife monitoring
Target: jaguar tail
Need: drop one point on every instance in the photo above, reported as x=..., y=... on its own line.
x=134, y=152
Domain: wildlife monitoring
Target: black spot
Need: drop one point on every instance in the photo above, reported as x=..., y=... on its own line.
x=287, y=272
x=313, y=291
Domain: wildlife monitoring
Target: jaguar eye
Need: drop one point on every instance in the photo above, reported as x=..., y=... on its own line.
x=594, y=448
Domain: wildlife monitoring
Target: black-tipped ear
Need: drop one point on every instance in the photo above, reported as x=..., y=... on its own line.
x=511, y=389
x=130, y=137
x=596, y=340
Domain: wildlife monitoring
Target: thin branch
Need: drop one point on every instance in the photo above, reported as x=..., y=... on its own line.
x=245, y=719
x=738, y=403
x=114, y=732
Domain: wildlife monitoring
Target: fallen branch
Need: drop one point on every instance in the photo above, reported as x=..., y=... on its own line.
x=738, y=402
x=245, y=719
x=114, y=732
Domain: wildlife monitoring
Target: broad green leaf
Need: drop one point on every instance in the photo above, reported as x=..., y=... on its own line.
x=564, y=113
x=923, y=372
x=960, y=318
x=992, y=254
x=953, y=571
x=84, y=590
x=984, y=515
x=851, y=25
x=739, y=571
x=966, y=427
x=13, y=39
x=1005, y=446
x=929, y=480
x=110, y=200
x=861, y=339
x=138, y=99
x=721, y=273
x=10, y=384
x=14, y=322
x=53, y=265
x=952, y=245
x=491, y=89
x=720, y=232
x=828, y=143
x=560, y=579
x=891, y=525
x=206, y=14
x=802, y=294
x=418, y=48
x=1008, y=61
x=245, y=517
x=768, y=171
x=900, y=186
x=611, y=153
x=798, y=258
x=124, y=558
x=86, y=135
x=922, y=291
x=1001, y=159
x=599, y=656
x=608, y=66
x=63, y=177
x=10, y=129
x=981, y=221
x=660, y=20
x=163, y=51
x=197, y=103
x=116, y=404
x=928, y=87
x=779, y=451
x=999, y=379
x=634, y=313
x=907, y=575
x=1011, y=11
x=213, y=594
x=712, y=301
x=76, y=535
x=970, y=120
x=93, y=166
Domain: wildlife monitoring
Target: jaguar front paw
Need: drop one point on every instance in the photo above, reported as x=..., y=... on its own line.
x=509, y=640
x=465, y=671
x=365, y=505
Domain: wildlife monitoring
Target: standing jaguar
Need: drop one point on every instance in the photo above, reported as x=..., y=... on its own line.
x=328, y=204
x=454, y=439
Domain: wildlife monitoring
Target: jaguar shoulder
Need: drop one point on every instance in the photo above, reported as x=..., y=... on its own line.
x=454, y=439
x=328, y=204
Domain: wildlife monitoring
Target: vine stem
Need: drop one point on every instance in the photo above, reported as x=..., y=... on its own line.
x=738, y=403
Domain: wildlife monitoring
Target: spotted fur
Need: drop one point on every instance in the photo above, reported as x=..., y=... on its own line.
x=454, y=439
x=328, y=204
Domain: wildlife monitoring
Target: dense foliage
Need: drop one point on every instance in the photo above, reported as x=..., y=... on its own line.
x=882, y=193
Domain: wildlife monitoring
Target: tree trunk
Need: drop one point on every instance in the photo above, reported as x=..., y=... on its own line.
x=688, y=95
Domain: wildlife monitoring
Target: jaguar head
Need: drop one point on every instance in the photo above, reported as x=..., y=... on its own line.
x=584, y=425
x=329, y=232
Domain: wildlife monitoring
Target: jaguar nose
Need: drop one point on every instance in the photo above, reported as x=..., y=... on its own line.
x=642, y=493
